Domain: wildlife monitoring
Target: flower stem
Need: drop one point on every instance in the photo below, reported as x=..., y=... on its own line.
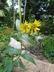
x=20, y=21
x=21, y=46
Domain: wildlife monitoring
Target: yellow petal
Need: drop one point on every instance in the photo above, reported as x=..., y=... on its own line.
x=27, y=30
x=35, y=31
x=23, y=30
x=31, y=32
x=37, y=23
x=21, y=27
x=25, y=22
x=38, y=29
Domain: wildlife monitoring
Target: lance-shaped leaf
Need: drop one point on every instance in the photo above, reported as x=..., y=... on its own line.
x=11, y=51
x=1, y=67
x=21, y=63
x=28, y=40
x=28, y=57
x=18, y=24
x=1, y=70
x=8, y=65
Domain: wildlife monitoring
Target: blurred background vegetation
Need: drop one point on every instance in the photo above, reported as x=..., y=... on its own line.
x=42, y=10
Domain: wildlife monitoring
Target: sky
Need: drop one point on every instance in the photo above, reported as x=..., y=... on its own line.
x=16, y=6
x=9, y=2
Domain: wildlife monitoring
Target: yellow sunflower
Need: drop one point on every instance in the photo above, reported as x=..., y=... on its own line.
x=23, y=27
x=35, y=27
x=27, y=27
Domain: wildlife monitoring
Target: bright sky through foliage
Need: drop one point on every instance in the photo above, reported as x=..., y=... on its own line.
x=16, y=5
x=9, y=2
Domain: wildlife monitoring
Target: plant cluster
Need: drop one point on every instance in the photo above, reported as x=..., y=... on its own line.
x=7, y=62
x=7, y=54
x=48, y=48
x=47, y=24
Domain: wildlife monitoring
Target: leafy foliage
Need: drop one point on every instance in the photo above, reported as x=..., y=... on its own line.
x=3, y=5
x=28, y=57
x=8, y=65
x=11, y=51
x=28, y=40
x=7, y=53
x=39, y=8
x=49, y=48
x=47, y=24
x=21, y=63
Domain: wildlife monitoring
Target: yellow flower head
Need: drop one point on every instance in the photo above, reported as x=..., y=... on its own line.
x=23, y=27
x=27, y=27
x=35, y=27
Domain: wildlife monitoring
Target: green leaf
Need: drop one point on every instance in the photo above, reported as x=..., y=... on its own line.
x=1, y=70
x=21, y=64
x=16, y=62
x=28, y=40
x=28, y=57
x=18, y=24
x=11, y=51
x=1, y=64
x=2, y=45
x=8, y=65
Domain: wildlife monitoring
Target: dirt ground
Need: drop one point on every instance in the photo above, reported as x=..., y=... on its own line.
x=41, y=66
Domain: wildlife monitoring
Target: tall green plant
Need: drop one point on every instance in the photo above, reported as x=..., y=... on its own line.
x=8, y=62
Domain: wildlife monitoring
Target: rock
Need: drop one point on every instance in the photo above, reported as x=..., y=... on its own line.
x=15, y=44
x=38, y=37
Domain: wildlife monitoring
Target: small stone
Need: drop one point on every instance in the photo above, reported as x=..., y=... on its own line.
x=14, y=43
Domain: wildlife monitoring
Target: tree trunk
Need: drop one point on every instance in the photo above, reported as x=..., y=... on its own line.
x=13, y=15
x=24, y=11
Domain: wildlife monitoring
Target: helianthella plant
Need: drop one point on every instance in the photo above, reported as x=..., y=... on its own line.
x=23, y=33
x=8, y=63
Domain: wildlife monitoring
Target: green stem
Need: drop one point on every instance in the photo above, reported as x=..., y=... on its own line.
x=19, y=10
x=21, y=46
x=20, y=21
x=20, y=50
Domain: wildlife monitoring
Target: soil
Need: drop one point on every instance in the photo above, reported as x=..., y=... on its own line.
x=41, y=66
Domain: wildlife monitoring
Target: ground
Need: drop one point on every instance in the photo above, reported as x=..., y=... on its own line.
x=41, y=66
